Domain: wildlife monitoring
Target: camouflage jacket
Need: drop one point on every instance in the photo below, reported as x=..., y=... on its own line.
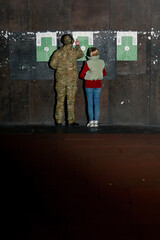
x=64, y=59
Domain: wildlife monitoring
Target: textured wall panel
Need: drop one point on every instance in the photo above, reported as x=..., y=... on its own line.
x=129, y=100
x=86, y=15
x=155, y=16
x=155, y=98
x=141, y=15
x=104, y=103
x=155, y=80
x=120, y=15
x=4, y=79
x=41, y=101
x=19, y=101
x=155, y=51
x=14, y=15
x=48, y=15
x=23, y=64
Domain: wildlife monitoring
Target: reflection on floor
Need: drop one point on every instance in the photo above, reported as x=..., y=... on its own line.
x=78, y=183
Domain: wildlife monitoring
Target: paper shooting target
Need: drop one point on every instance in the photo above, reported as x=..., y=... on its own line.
x=126, y=46
x=86, y=41
x=46, y=44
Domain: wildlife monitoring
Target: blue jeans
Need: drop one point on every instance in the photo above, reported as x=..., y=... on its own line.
x=93, y=95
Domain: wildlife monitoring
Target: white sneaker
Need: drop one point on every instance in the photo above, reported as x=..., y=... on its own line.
x=90, y=124
x=95, y=123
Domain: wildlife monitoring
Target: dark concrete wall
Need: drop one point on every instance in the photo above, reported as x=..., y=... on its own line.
x=132, y=98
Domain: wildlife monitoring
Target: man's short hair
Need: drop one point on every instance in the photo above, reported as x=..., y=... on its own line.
x=67, y=39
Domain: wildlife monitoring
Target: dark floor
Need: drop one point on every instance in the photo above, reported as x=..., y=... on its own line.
x=79, y=183
x=102, y=129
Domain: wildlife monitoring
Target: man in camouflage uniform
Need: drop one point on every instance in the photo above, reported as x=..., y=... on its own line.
x=64, y=61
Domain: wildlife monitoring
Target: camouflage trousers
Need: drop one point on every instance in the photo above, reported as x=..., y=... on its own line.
x=65, y=90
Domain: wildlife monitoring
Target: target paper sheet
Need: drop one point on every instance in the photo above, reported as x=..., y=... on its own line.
x=46, y=44
x=86, y=41
x=126, y=46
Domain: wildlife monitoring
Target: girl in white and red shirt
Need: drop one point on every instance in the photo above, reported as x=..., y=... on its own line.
x=93, y=72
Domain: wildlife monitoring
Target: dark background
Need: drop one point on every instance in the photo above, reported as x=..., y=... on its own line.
x=131, y=98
